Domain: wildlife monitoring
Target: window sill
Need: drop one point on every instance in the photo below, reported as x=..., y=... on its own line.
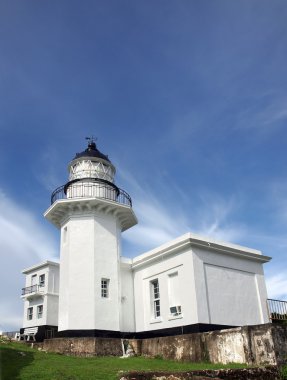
x=171, y=317
x=157, y=320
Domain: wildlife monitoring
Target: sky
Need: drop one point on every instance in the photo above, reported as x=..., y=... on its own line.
x=188, y=98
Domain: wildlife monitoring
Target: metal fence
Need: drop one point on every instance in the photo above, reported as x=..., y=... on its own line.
x=92, y=189
x=9, y=334
x=277, y=310
x=30, y=289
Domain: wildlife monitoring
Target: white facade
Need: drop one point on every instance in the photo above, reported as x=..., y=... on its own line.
x=200, y=281
x=41, y=295
x=91, y=220
x=189, y=281
x=90, y=253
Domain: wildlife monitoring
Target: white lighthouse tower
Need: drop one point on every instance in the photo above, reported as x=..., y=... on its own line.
x=91, y=212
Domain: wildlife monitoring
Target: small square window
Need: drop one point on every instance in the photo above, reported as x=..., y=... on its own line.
x=175, y=311
x=40, y=311
x=30, y=313
x=105, y=287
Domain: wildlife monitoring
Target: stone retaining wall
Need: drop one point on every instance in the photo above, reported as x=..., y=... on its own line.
x=84, y=346
x=257, y=345
x=260, y=345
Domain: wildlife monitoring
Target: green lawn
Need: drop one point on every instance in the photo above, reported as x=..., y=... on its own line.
x=20, y=362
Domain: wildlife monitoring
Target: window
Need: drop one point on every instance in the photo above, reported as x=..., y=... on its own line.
x=155, y=298
x=30, y=313
x=40, y=311
x=174, y=294
x=175, y=310
x=65, y=232
x=42, y=280
x=105, y=287
x=33, y=279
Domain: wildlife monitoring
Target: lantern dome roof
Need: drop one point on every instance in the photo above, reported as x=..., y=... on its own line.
x=92, y=151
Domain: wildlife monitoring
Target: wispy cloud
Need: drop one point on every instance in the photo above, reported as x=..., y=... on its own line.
x=277, y=286
x=48, y=175
x=215, y=217
x=23, y=242
x=263, y=115
x=161, y=219
x=277, y=196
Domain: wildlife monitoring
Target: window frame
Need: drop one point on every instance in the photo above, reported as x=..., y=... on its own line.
x=155, y=296
x=40, y=310
x=34, y=279
x=30, y=312
x=175, y=308
x=42, y=283
x=105, y=288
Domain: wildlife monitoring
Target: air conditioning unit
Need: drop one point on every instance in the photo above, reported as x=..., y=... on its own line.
x=175, y=310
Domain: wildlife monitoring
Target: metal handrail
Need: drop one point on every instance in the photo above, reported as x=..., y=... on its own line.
x=30, y=289
x=92, y=188
x=277, y=310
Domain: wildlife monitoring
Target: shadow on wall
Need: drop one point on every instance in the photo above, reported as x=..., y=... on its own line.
x=13, y=361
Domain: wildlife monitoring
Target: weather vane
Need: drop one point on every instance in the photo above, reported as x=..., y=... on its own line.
x=91, y=139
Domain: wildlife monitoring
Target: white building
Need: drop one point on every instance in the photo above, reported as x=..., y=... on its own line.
x=189, y=284
x=41, y=298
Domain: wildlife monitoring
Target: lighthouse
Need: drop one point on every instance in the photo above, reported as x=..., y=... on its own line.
x=91, y=212
x=189, y=284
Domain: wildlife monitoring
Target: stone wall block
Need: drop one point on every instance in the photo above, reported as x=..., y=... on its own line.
x=136, y=344
x=108, y=347
x=279, y=335
x=262, y=345
x=85, y=346
x=226, y=346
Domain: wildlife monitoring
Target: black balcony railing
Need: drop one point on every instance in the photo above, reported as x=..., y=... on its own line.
x=277, y=310
x=91, y=188
x=30, y=289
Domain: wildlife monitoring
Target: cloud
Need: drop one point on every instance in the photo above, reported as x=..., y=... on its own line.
x=161, y=218
x=49, y=178
x=23, y=242
x=277, y=286
x=277, y=193
x=268, y=112
x=215, y=217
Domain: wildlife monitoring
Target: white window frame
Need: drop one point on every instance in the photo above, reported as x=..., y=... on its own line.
x=155, y=295
x=40, y=309
x=30, y=313
x=105, y=288
x=34, y=279
x=175, y=309
x=42, y=282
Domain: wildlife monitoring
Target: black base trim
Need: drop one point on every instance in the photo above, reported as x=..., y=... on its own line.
x=88, y=333
x=180, y=330
x=44, y=332
x=188, y=329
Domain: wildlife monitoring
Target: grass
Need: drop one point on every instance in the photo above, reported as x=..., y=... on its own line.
x=284, y=372
x=20, y=362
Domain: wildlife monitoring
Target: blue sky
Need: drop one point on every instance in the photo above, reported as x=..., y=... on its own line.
x=187, y=97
